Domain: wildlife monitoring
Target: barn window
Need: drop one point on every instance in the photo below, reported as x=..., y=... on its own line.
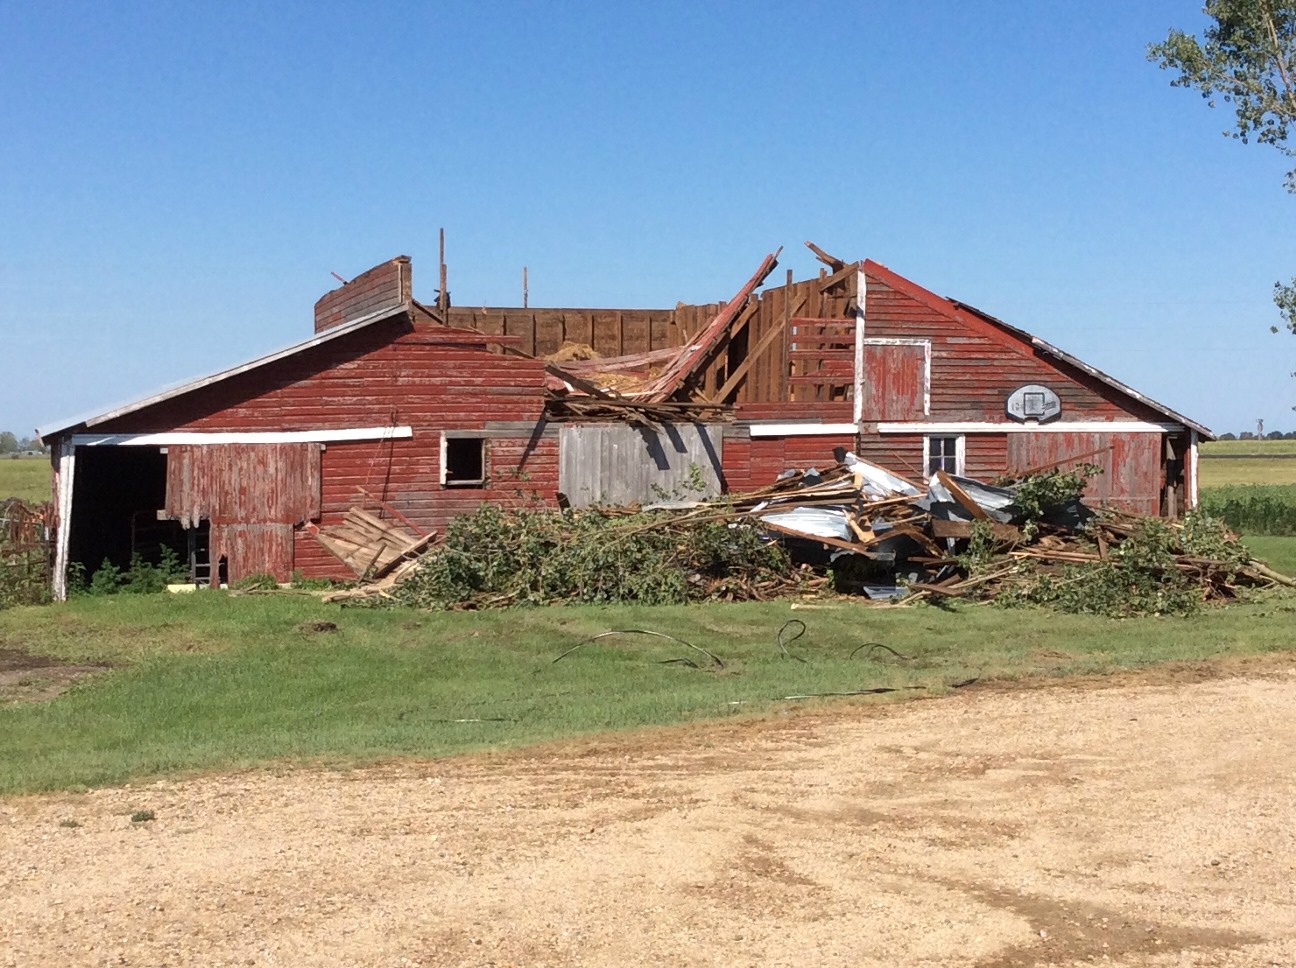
x=463, y=461
x=943, y=454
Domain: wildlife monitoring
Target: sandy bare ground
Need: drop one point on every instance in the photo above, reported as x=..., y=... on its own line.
x=1149, y=823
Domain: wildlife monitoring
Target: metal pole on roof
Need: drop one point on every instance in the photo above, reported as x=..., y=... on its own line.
x=524, y=287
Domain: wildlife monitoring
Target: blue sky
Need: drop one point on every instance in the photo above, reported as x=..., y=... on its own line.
x=177, y=181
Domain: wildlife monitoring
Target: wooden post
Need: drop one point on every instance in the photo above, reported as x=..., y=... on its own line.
x=1192, y=496
x=861, y=291
x=65, y=456
x=790, y=368
x=443, y=297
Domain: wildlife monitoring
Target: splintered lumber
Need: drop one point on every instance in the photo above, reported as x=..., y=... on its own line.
x=838, y=277
x=821, y=539
x=580, y=383
x=831, y=261
x=1006, y=533
x=391, y=510
x=962, y=497
x=614, y=364
x=766, y=341
x=696, y=352
x=370, y=546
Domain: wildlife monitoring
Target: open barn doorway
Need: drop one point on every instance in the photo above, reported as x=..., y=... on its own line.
x=117, y=494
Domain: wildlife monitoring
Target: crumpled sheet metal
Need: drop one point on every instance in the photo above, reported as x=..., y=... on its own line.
x=820, y=522
x=877, y=483
x=998, y=502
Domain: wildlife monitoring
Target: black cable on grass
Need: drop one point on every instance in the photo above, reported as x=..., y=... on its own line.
x=783, y=645
x=875, y=691
x=878, y=645
x=661, y=635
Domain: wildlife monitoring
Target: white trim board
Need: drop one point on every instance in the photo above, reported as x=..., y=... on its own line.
x=177, y=438
x=861, y=297
x=801, y=429
x=1056, y=427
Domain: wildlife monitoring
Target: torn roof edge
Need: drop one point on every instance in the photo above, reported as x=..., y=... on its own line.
x=1046, y=347
x=890, y=276
x=178, y=389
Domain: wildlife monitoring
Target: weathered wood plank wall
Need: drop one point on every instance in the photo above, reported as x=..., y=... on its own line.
x=1131, y=464
x=616, y=464
x=611, y=332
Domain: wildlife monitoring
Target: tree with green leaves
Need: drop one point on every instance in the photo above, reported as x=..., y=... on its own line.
x=1247, y=58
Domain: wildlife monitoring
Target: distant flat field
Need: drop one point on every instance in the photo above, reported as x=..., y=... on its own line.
x=1247, y=470
x=1248, y=447
x=25, y=477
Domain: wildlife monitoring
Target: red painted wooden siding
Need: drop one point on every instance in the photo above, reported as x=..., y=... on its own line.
x=383, y=286
x=1131, y=464
x=975, y=365
x=894, y=378
x=755, y=462
x=899, y=453
x=390, y=374
x=243, y=483
x=252, y=494
x=985, y=455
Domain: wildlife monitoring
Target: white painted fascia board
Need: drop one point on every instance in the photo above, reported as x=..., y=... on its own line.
x=1057, y=427
x=800, y=429
x=168, y=393
x=179, y=438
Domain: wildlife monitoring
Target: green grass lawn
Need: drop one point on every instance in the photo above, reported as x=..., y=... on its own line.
x=25, y=477
x=214, y=681
x=1277, y=552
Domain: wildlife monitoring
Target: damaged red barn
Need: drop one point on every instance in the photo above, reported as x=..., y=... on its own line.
x=416, y=413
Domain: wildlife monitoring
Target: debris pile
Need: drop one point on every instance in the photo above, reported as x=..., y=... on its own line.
x=499, y=557
x=371, y=547
x=853, y=527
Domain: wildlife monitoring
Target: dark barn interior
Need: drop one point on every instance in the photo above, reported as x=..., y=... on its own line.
x=117, y=494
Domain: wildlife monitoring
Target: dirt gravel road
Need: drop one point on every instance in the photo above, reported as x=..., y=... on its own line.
x=1147, y=823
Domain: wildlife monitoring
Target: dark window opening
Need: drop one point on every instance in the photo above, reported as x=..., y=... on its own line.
x=465, y=461
x=942, y=455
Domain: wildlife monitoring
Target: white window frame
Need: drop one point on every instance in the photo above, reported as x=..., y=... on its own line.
x=960, y=452
x=481, y=438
